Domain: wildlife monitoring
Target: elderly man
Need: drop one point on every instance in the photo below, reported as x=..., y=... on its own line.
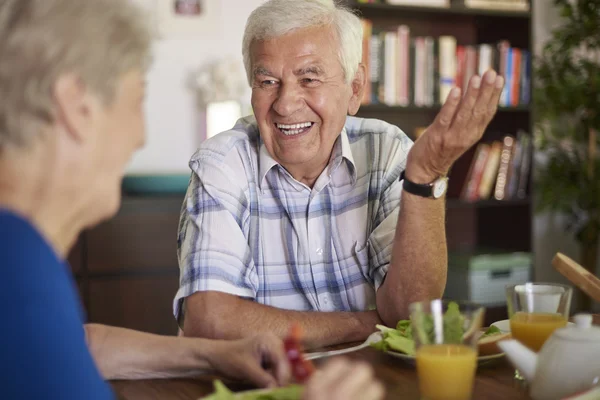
x=71, y=115
x=295, y=213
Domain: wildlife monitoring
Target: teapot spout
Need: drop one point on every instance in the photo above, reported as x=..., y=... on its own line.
x=521, y=357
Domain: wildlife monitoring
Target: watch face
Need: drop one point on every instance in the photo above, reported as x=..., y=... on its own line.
x=439, y=188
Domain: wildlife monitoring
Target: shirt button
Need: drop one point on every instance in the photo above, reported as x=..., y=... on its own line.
x=320, y=251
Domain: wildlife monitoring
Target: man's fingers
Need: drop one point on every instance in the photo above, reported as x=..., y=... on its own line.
x=488, y=87
x=495, y=99
x=465, y=110
x=446, y=114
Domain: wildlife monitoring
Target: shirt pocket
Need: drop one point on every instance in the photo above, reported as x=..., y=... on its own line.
x=361, y=258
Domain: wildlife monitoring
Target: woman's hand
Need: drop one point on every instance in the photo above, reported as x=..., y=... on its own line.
x=341, y=379
x=260, y=360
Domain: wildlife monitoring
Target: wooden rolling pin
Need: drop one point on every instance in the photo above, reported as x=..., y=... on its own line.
x=578, y=275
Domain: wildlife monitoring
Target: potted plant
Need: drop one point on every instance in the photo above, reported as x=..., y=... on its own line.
x=567, y=122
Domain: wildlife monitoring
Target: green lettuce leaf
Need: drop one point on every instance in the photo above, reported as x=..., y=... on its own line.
x=492, y=330
x=453, y=324
x=401, y=338
x=291, y=392
x=401, y=344
x=404, y=326
x=221, y=392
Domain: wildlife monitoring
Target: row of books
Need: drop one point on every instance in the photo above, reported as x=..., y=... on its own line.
x=500, y=169
x=515, y=5
x=403, y=70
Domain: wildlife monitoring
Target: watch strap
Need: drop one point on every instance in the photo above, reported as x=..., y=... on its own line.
x=423, y=190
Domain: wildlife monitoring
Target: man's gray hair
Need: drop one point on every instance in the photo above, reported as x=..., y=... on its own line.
x=40, y=40
x=278, y=17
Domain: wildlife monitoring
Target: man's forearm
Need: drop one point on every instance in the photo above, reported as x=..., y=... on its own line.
x=123, y=353
x=218, y=315
x=418, y=267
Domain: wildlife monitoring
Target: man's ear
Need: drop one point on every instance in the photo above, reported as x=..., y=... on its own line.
x=74, y=106
x=358, y=89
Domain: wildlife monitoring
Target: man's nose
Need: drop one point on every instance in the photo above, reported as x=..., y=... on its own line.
x=289, y=100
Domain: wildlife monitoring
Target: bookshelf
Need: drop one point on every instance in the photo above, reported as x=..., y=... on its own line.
x=506, y=224
x=455, y=8
x=384, y=108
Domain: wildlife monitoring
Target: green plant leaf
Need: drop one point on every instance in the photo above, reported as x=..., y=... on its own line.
x=566, y=92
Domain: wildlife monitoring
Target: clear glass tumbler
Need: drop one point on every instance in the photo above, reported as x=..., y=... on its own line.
x=446, y=334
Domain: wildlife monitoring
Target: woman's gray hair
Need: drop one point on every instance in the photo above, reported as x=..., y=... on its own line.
x=40, y=40
x=278, y=17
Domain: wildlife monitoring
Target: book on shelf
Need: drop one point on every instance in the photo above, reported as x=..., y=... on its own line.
x=470, y=191
x=415, y=3
x=499, y=170
x=505, y=5
x=508, y=145
x=509, y=5
x=420, y=3
x=490, y=170
x=447, y=66
x=404, y=70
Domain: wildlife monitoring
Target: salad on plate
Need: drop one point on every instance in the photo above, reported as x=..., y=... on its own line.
x=400, y=340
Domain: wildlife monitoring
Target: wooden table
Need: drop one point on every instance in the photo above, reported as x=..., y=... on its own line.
x=493, y=382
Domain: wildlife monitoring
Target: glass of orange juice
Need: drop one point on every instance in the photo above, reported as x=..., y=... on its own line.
x=536, y=310
x=445, y=334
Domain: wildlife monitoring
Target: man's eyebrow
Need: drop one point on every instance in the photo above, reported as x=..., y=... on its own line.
x=311, y=69
x=258, y=71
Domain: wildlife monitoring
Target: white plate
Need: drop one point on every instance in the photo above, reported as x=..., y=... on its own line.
x=504, y=325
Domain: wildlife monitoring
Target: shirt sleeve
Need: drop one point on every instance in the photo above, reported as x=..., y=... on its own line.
x=381, y=240
x=213, y=247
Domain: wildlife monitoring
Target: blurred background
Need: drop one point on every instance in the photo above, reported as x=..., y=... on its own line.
x=525, y=192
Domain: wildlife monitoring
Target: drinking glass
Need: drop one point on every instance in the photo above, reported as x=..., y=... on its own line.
x=536, y=310
x=445, y=334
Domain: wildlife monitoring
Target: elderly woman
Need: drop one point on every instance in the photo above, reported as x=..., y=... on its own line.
x=71, y=90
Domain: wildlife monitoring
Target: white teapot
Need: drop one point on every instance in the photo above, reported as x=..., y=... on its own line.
x=568, y=363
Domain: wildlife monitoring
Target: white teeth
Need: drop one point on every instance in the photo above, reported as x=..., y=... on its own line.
x=295, y=126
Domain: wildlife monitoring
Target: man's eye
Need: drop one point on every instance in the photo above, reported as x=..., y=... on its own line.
x=268, y=82
x=310, y=81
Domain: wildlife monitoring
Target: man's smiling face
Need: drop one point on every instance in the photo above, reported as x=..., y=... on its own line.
x=300, y=97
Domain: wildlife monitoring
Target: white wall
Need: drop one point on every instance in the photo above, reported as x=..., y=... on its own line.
x=549, y=235
x=175, y=124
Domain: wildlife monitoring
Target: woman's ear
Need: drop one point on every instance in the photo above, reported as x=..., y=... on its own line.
x=358, y=89
x=74, y=106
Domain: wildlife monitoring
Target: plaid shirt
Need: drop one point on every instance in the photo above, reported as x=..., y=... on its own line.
x=248, y=228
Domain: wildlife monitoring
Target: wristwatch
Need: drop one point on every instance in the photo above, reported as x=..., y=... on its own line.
x=433, y=190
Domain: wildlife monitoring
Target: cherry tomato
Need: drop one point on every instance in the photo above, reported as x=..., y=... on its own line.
x=301, y=368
